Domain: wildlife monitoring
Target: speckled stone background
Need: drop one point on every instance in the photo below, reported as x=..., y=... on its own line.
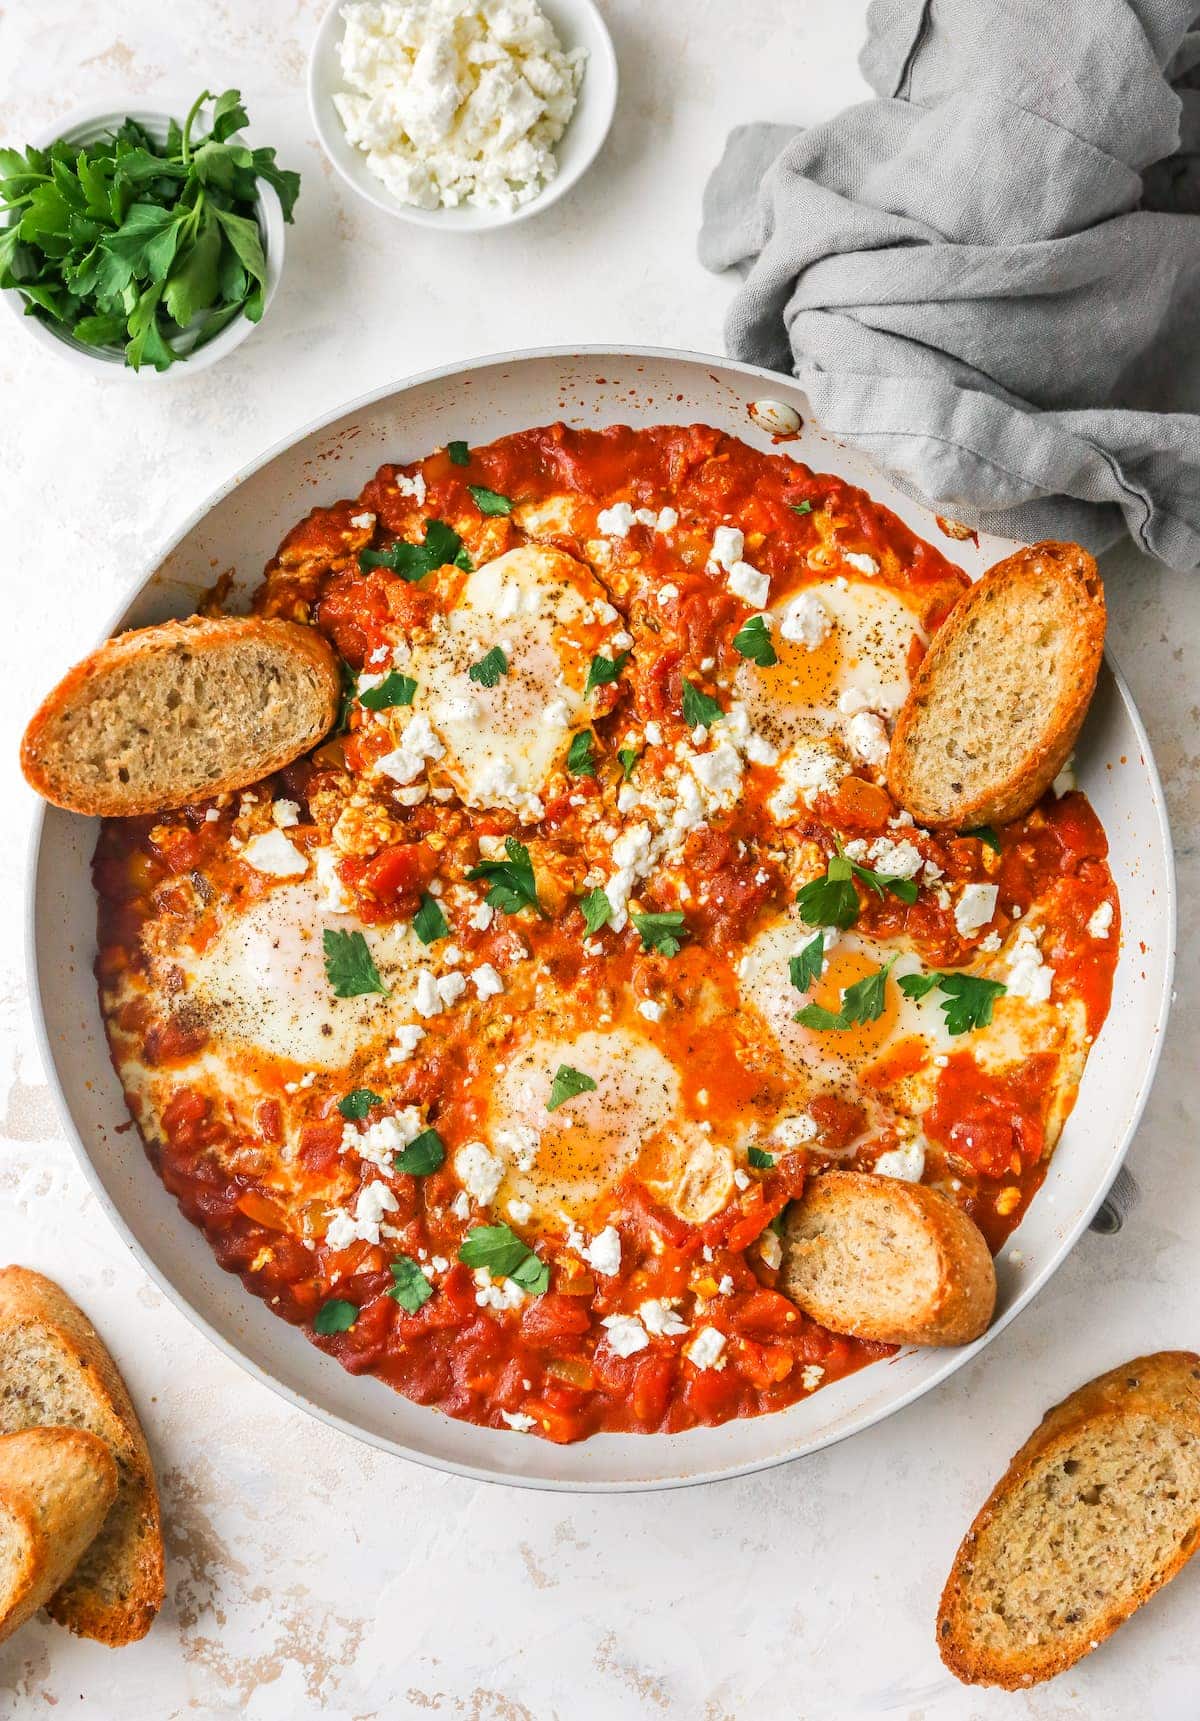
x=308, y=1575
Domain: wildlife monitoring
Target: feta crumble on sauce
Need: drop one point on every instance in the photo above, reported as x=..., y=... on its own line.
x=590, y=933
x=456, y=101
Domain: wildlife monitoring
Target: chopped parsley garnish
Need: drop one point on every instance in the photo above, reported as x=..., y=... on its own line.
x=753, y=640
x=862, y=1002
x=424, y=1153
x=968, y=1001
x=566, y=1084
x=832, y=900
x=512, y=885
x=806, y=967
x=394, y=689
x=491, y=666
x=413, y=561
x=759, y=1160
x=502, y=1253
x=596, y=910
x=580, y=759
x=780, y=1220
x=429, y=922
x=699, y=708
x=661, y=932
x=349, y=966
x=460, y=454
x=986, y=835
x=629, y=758
x=800, y=507
x=489, y=501
x=410, y=1287
x=347, y=693
x=335, y=1316
x=602, y=670
x=358, y=1102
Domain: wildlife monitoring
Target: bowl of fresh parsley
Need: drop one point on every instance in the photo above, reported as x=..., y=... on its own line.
x=143, y=242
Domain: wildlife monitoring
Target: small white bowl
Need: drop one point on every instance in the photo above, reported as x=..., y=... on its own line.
x=577, y=24
x=85, y=128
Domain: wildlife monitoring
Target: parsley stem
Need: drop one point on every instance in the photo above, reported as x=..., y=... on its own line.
x=185, y=152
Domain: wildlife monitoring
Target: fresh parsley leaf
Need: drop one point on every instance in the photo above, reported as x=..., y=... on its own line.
x=596, y=910
x=806, y=968
x=349, y=966
x=698, y=707
x=442, y=545
x=358, y=1102
x=830, y=900
x=489, y=501
x=566, y=1084
x=986, y=835
x=348, y=683
x=661, y=932
x=969, y=998
x=512, y=884
x=862, y=1002
x=800, y=507
x=460, y=454
x=629, y=758
x=502, y=1253
x=491, y=666
x=780, y=1220
x=429, y=923
x=424, y=1153
x=581, y=761
x=394, y=689
x=904, y=888
x=753, y=640
x=603, y=670
x=759, y=1160
x=409, y=1286
x=335, y=1316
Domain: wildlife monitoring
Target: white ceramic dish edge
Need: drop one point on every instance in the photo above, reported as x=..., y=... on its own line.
x=744, y=382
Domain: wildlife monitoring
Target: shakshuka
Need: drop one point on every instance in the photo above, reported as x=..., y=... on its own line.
x=489, y=1042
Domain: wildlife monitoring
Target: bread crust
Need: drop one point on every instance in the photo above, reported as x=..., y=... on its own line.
x=1029, y=773
x=45, y=757
x=56, y=1486
x=1165, y=1384
x=964, y=1297
x=29, y=1300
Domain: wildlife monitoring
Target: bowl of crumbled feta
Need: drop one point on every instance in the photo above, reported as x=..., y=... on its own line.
x=462, y=114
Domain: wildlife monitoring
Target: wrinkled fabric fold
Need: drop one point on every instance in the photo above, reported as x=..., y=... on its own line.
x=989, y=276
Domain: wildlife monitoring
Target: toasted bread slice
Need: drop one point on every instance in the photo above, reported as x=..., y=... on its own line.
x=1099, y=1509
x=55, y=1370
x=999, y=699
x=170, y=714
x=56, y=1487
x=881, y=1259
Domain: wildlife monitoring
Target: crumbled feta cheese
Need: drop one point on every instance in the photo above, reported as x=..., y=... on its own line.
x=481, y=916
x=906, y=1162
x=811, y=768
x=852, y=699
x=426, y=1000
x=740, y=1177
x=796, y=1130
x=407, y=1037
x=706, y=1348
x=380, y=1142
x=273, y=854
x=1065, y=781
x=861, y=563
x=286, y=814
x=212, y=815
x=615, y=522
x=480, y=1172
x=362, y=522
x=651, y=1009
x=719, y=772
x=626, y=1334
x=418, y=743
x=462, y=708
x=521, y=1211
x=975, y=907
x=660, y=1319
x=654, y=734
x=811, y=1376
x=493, y=1294
x=374, y=1200
x=896, y=859
x=868, y=738
x=519, y=1420
x=414, y=486
x=667, y=593
x=770, y=1249
x=725, y=1285
x=749, y=584
x=806, y=621
x=486, y=981
x=1100, y=924
x=991, y=943
x=604, y=1251
x=450, y=988
x=1028, y=975
x=728, y=547
x=556, y=714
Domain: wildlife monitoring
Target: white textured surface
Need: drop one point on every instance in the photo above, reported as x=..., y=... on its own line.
x=307, y=1575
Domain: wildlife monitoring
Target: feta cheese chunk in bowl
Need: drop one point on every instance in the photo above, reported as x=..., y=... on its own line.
x=462, y=114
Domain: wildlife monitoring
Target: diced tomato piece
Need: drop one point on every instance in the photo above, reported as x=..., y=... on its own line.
x=653, y=1378
x=550, y=1318
x=319, y=1145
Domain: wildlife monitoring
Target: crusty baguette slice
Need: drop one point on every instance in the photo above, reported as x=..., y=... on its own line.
x=887, y=1260
x=56, y=1486
x=178, y=712
x=1099, y=1509
x=55, y=1369
x=999, y=698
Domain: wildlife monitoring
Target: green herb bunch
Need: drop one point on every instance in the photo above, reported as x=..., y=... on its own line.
x=129, y=242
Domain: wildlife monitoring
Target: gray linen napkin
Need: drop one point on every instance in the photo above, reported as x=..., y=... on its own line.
x=989, y=278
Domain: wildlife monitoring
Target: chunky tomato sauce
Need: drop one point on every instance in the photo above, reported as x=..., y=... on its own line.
x=253, y=1138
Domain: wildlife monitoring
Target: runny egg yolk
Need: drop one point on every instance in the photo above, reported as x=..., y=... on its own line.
x=862, y=1040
